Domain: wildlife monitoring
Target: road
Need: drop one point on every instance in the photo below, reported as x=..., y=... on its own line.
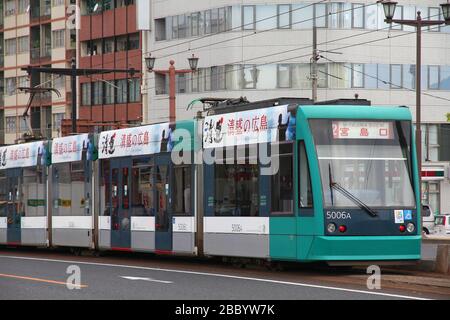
x=40, y=274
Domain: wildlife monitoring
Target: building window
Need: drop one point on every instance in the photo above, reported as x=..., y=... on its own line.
x=207, y=21
x=98, y=93
x=23, y=6
x=108, y=45
x=357, y=75
x=160, y=29
x=10, y=46
x=358, y=15
x=236, y=190
x=23, y=44
x=23, y=81
x=57, y=121
x=10, y=124
x=284, y=76
x=397, y=15
x=284, y=16
x=396, y=76
x=10, y=88
x=182, y=28
x=433, y=77
x=214, y=20
x=248, y=18
x=86, y=94
x=58, y=38
x=431, y=195
x=434, y=14
x=181, y=193
x=249, y=76
x=302, y=16
x=282, y=190
x=109, y=92
x=134, y=41
x=304, y=179
x=195, y=21
x=10, y=8
x=135, y=90
x=122, y=91
x=320, y=15
x=266, y=17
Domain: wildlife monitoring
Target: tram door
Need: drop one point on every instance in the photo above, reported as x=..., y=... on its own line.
x=163, y=216
x=120, y=177
x=14, y=207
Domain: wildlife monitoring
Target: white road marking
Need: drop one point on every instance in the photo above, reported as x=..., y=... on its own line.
x=145, y=279
x=218, y=275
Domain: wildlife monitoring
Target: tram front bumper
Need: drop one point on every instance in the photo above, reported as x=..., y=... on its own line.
x=364, y=248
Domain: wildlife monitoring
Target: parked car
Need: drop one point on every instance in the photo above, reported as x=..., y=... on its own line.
x=442, y=226
x=428, y=219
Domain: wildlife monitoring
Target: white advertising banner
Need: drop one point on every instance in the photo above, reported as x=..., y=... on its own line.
x=248, y=127
x=22, y=155
x=136, y=141
x=70, y=149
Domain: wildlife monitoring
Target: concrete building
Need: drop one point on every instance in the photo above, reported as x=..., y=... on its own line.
x=109, y=39
x=262, y=49
x=33, y=33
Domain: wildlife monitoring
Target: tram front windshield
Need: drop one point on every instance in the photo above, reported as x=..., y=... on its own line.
x=370, y=160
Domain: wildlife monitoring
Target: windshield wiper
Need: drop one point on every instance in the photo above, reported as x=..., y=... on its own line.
x=345, y=192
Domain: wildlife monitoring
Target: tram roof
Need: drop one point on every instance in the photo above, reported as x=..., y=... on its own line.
x=355, y=112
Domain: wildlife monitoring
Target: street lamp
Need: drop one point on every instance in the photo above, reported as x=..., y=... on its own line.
x=150, y=63
x=418, y=23
x=389, y=9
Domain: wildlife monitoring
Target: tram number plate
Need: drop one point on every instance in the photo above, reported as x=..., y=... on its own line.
x=338, y=215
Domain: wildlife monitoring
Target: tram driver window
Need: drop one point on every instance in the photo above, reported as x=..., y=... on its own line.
x=182, y=190
x=305, y=189
x=236, y=190
x=281, y=181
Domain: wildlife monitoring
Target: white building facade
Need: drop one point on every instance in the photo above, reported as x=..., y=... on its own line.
x=263, y=49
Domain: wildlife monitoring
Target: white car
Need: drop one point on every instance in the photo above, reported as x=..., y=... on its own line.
x=428, y=219
x=442, y=224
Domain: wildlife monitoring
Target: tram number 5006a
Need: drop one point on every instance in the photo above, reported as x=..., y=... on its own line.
x=338, y=215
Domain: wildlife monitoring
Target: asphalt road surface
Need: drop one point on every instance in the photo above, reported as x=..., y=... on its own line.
x=39, y=274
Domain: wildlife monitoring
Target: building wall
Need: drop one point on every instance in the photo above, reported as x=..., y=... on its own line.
x=44, y=107
x=95, y=28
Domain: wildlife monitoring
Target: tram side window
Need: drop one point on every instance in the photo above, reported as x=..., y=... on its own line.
x=182, y=190
x=142, y=191
x=3, y=194
x=32, y=196
x=70, y=183
x=282, y=200
x=236, y=190
x=305, y=188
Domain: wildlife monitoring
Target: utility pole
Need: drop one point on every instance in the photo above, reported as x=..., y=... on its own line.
x=315, y=57
x=73, y=72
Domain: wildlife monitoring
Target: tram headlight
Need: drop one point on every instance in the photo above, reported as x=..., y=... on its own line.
x=331, y=227
x=410, y=227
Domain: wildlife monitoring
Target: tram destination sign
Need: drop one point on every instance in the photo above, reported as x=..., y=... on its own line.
x=249, y=127
x=362, y=130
